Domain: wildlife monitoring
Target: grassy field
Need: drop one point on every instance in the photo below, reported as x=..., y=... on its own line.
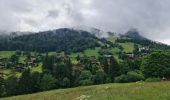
x=112, y=38
x=128, y=47
x=9, y=72
x=37, y=68
x=115, y=91
x=6, y=54
x=88, y=52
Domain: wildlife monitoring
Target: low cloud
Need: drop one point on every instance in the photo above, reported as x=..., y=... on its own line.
x=151, y=17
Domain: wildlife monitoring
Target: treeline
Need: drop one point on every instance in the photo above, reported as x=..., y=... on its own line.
x=60, y=72
x=66, y=40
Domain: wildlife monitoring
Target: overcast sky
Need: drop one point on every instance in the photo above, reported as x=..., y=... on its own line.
x=151, y=17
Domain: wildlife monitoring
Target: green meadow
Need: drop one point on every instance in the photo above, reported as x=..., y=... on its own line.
x=114, y=91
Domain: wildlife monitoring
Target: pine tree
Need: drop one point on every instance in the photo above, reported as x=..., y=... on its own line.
x=47, y=82
x=12, y=85
x=113, y=68
x=2, y=87
x=48, y=63
x=25, y=84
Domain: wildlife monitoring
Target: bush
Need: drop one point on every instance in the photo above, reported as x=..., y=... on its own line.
x=66, y=83
x=121, y=79
x=47, y=82
x=100, y=77
x=131, y=76
x=85, y=82
x=85, y=78
x=153, y=80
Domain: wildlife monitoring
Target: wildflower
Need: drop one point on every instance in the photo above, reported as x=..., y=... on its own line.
x=83, y=97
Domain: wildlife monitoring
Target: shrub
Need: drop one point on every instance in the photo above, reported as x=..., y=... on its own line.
x=66, y=82
x=153, y=80
x=85, y=78
x=131, y=76
x=100, y=77
x=47, y=82
x=85, y=82
x=121, y=79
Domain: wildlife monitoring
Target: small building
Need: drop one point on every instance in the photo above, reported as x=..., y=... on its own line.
x=2, y=74
x=143, y=49
x=2, y=64
x=19, y=67
x=107, y=56
x=130, y=55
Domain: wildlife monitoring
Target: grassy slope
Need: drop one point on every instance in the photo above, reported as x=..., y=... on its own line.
x=128, y=91
x=128, y=47
x=112, y=38
x=6, y=54
x=88, y=52
x=8, y=72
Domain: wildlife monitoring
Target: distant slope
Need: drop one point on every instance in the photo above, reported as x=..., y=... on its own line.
x=67, y=40
x=128, y=91
x=133, y=33
x=75, y=40
x=135, y=37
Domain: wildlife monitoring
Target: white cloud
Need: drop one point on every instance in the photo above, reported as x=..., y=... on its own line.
x=149, y=16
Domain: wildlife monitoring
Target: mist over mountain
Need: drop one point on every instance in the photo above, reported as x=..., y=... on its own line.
x=111, y=15
x=132, y=33
x=95, y=31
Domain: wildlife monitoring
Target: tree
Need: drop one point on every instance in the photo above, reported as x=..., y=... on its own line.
x=66, y=83
x=2, y=87
x=78, y=57
x=129, y=65
x=66, y=40
x=136, y=48
x=85, y=78
x=156, y=65
x=47, y=82
x=134, y=76
x=76, y=74
x=25, y=83
x=94, y=69
x=100, y=77
x=69, y=68
x=35, y=81
x=104, y=61
x=14, y=58
x=11, y=85
x=113, y=69
x=63, y=69
x=124, y=67
x=48, y=63
x=131, y=76
x=28, y=55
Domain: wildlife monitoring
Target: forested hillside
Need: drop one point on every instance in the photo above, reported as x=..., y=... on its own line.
x=66, y=40
x=66, y=58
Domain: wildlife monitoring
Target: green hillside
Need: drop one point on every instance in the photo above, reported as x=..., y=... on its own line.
x=127, y=91
x=82, y=59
